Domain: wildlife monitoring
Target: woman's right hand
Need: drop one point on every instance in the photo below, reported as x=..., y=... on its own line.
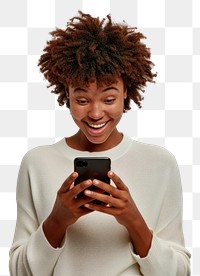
x=67, y=209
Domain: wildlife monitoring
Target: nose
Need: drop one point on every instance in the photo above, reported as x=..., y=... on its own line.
x=96, y=111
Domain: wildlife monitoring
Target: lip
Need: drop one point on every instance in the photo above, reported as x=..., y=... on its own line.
x=96, y=126
x=97, y=130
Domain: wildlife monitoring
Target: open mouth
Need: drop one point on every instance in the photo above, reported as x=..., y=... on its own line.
x=96, y=126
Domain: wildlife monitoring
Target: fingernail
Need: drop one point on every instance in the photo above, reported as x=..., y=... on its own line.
x=89, y=182
x=87, y=192
x=74, y=174
x=95, y=182
x=111, y=173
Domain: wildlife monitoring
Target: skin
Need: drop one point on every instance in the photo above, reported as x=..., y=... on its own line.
x=91, y=107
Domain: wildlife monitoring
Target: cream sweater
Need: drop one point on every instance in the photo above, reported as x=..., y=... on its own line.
x=97, y=245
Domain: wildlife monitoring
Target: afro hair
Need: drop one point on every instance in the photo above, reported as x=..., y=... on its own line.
x=89, y=50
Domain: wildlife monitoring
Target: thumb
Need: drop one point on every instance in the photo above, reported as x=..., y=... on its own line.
x=66, y=186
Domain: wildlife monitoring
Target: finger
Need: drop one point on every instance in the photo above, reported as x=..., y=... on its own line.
x=68, y=182
x=105, y=187
x=102, y=208
x=108, y=200
x=80, y=202
x=117, y=180
x=77, y=189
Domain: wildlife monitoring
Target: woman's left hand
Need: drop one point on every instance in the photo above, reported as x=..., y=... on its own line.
x=118, y=203
x=121, y=205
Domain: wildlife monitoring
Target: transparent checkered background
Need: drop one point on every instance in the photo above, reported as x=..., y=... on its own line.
x=30, y=116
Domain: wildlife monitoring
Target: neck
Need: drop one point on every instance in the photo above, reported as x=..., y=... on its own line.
x=80, y=142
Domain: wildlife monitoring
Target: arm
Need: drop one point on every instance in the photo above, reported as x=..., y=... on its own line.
x=30, y=251
x=66, y=210
x=162, y=251
x=37, y=245
x=125, y=211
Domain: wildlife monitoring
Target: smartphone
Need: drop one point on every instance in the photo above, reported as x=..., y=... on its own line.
x=92, y=168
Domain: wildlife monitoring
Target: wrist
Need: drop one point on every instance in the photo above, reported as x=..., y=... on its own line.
x=54, y=231
x=141, y=237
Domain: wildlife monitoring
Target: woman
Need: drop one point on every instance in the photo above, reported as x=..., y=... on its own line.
x=97, y=67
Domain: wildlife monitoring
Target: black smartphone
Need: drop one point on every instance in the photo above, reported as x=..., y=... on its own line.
x=92, y=168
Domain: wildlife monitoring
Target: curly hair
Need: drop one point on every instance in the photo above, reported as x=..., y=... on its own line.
x=90, y=49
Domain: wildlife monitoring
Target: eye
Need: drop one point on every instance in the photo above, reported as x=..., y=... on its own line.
x=82, y=101
x=109, y=100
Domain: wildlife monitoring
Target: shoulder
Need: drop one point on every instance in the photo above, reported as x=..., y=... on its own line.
x=156, y=162
x=153, y=153
x=41, y=154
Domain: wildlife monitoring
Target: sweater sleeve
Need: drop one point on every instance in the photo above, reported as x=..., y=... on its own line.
x=167, y=255
x=30, y=251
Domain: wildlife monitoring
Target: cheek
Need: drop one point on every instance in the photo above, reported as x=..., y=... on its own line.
x=78, y=113
x=117, y=110
x=116, y=113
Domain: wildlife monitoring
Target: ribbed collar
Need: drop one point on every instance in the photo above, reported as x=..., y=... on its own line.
x=114, y=153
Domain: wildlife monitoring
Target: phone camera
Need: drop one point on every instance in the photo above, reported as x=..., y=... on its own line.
x=82, y=163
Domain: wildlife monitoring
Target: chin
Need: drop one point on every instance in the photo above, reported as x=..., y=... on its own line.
x=97, y=141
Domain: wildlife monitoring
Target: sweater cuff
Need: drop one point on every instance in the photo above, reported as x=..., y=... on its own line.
x=39, y=248
x=157, y=259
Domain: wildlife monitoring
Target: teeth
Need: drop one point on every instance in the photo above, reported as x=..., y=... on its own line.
x=97, y=126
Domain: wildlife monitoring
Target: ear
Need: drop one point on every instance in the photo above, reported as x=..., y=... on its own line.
x=125, y=93
x=67, y=92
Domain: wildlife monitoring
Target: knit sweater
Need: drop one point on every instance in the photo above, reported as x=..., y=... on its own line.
x=97, y=245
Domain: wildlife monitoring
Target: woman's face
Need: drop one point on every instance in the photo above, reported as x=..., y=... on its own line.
x=97, y=111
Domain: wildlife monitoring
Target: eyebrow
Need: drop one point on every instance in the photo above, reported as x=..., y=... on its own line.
x=79, y=89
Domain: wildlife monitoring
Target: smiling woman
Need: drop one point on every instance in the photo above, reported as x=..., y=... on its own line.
x=96, y=111
x=97, y=68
